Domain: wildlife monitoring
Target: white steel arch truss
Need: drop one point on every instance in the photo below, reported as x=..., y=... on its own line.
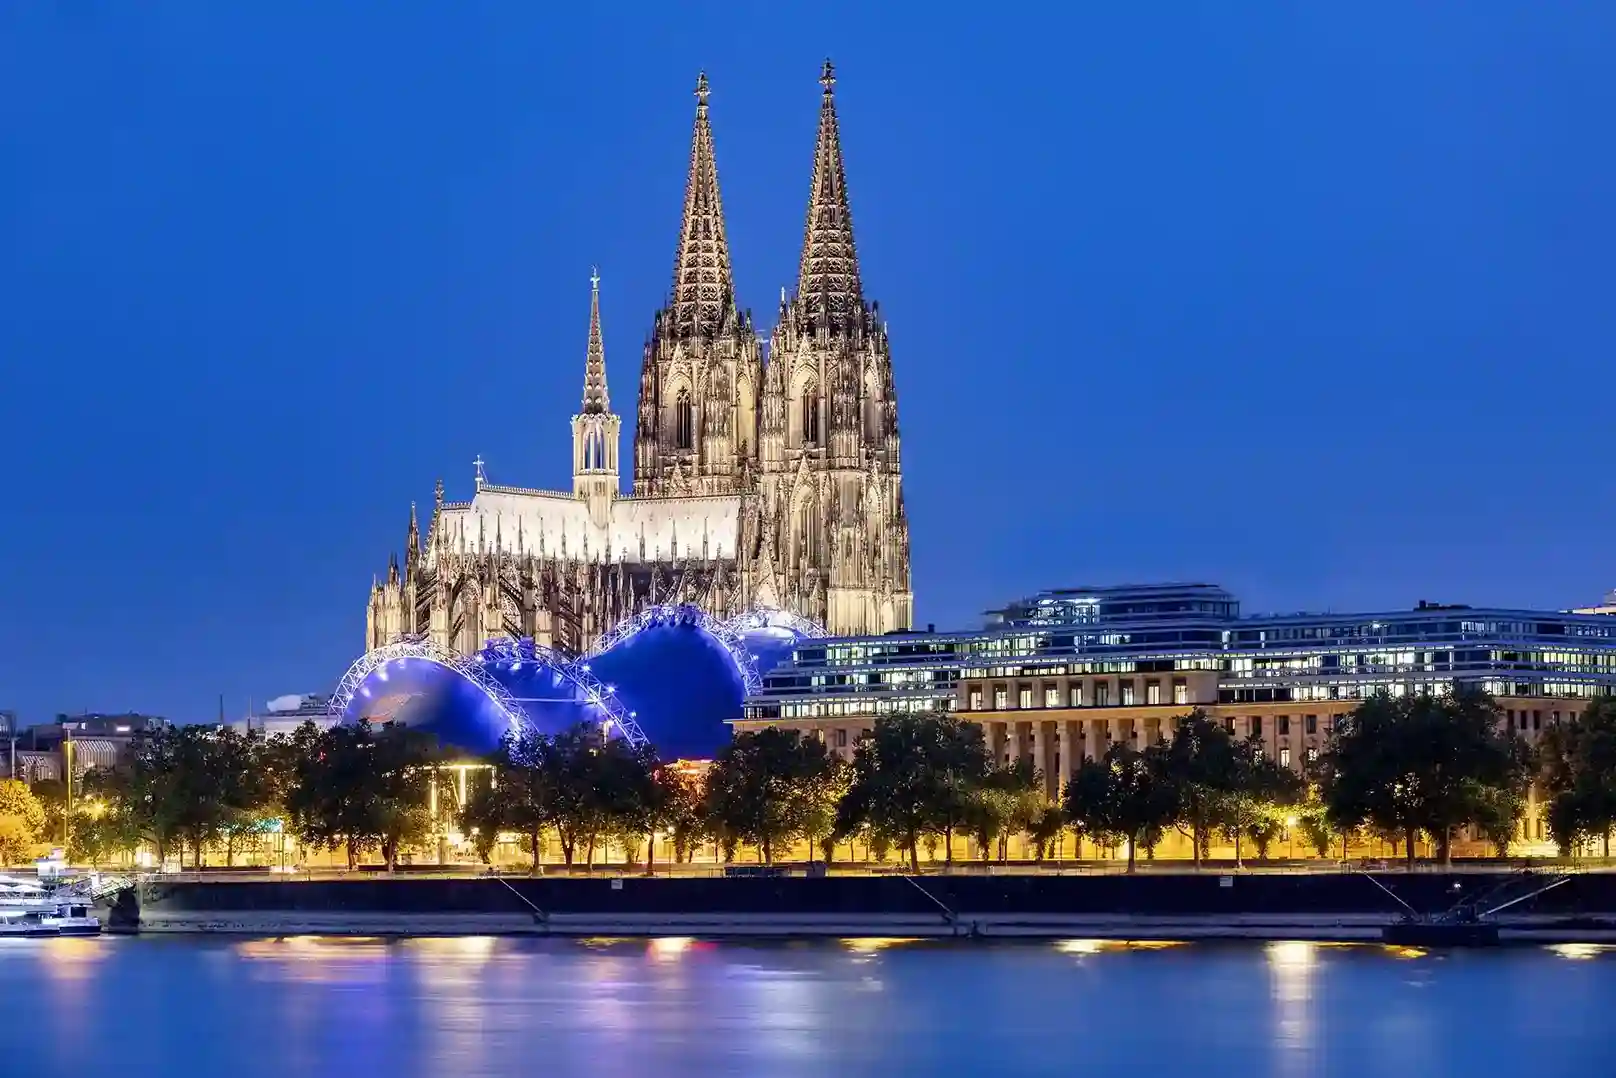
x=474, y=668
x=772, y=617
x=685, y=614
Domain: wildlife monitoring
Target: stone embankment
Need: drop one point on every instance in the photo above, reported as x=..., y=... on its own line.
x=1346, y=907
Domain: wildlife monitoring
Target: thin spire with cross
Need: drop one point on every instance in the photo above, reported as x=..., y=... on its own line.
x=596, y=399
x=480, y=477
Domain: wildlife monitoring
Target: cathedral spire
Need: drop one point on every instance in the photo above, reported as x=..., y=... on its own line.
x=703, y=289
x=828, y=286
x=596, y=401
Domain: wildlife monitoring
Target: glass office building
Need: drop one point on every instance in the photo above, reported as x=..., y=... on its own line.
x=1062, y=674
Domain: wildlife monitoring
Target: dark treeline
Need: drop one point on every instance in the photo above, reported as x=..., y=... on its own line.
x=1402, y=769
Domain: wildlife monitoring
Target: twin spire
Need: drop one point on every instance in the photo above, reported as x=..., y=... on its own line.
x=703, y=287
x=828, y=287
x=828, y=284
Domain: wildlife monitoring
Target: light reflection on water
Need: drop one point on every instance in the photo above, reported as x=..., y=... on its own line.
x=677, y=1007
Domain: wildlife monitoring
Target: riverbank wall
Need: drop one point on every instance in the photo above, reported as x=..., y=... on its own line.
x=1341, y=906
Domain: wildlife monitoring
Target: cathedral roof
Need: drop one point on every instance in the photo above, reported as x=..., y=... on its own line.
x=558, y=524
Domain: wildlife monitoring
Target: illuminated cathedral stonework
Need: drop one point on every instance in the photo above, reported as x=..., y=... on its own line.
x=756, y=484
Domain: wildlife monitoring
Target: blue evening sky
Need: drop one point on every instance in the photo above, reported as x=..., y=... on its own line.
x=1312, y=300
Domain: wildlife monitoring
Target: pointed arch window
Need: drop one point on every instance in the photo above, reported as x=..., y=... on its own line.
x=683, y=425
x=810, y=416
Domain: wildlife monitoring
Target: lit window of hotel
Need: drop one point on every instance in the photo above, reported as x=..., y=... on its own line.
x=976, y=700
x=1312, y=754
x=1051, y=696
x=1153, y=692
x=1077, y=696
x=1181, y=691
x=1284, y=757
x=1024, y=697
x=1001, y=698
x=1127, y=694
x=1102, y=694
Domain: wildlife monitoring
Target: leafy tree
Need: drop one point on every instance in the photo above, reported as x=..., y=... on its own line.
x=996, y=801
x=1203, y=767
x=362, y=787
x=1578, y=768
x=1313, y=819
x=913, y=775
x=1498, y=812
x=993, y=804
x=1421, y=762
x=1126, y=795
x=522, y=798
x=593, y=786
x=21, y=818
x=1567, y=820
x=767, y=788
x=484, y=816
x=52, y=797
x=145, y=786
x=682, y=811
x=1045, y=829
x=1260, y=794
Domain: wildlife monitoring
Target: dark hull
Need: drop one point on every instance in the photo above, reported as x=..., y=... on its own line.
x=1418, y=934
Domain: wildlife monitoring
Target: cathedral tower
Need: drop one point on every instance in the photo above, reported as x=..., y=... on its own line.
x=829, y=452
x=699, y=381
x=595, y=428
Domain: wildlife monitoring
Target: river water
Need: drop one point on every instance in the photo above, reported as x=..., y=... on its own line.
x=467, y=1008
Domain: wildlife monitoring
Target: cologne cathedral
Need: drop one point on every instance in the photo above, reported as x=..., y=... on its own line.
x=762, y=478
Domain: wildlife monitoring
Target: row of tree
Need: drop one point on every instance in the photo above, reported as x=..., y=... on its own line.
x=1401, y=768
x=1396, y=768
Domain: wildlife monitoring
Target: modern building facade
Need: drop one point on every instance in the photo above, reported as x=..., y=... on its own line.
x=1062, y=675
x=756, y=483
x=76, y=744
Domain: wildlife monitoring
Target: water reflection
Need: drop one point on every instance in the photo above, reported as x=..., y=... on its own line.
x=1291, y=966
x=681, y=1008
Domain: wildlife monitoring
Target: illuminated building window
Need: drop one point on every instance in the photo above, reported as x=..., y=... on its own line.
x=1077, y=696
x=1152, y=692
x=1228, y=724
x=1181, y=691
x=1312, y=754
x=1024, y=697
x=1284, y=757
x=1051, y=696
x=1001, y=698
x=1127, y=694
x=1102, y=694
x=976, y=700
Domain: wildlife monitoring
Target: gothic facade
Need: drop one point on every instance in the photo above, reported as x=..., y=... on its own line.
x=758, y=481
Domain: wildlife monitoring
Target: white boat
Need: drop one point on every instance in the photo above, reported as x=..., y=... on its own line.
x=73, y=919
x=28, y=924
x=29, y=909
